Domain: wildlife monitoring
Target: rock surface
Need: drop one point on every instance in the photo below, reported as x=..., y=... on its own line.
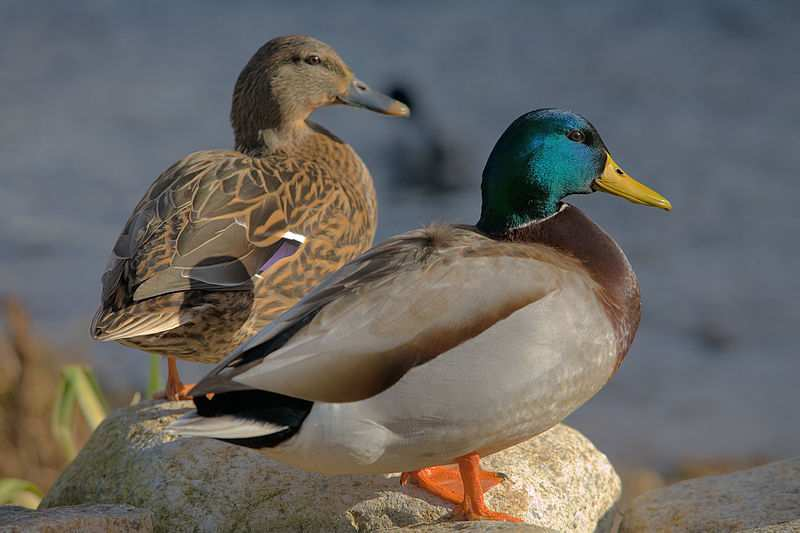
x=558, y=480
x=483, y=527
x=763, y=499
x=83, y=518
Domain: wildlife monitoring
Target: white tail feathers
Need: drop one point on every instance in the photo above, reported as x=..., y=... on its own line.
x=221, y=427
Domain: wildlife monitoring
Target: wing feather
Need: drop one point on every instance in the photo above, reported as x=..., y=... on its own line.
x=398, y=306
x=209, y=222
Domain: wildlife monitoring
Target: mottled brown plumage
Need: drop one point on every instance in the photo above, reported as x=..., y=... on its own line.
x=194, y=272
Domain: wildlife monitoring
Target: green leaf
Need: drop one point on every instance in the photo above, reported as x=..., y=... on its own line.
x=78, y=386
x=90, y=399
x=19, y=492
x=62, y=419
x=154, y=382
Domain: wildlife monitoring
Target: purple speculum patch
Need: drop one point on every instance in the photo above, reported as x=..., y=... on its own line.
x=286, y=248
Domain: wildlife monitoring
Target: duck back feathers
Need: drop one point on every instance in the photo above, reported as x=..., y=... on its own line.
x=214, y=220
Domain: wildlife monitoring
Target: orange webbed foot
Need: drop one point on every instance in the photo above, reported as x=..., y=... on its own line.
x=483, y=514
x=463, y=484
x=175, y=393
x=442, y=481
x=473, y=507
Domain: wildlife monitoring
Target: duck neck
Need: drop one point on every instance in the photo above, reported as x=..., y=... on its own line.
x=513, y=203
x=262, y=124
x=271, y=139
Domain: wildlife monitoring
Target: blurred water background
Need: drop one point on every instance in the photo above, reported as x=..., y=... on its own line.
x=697, y=99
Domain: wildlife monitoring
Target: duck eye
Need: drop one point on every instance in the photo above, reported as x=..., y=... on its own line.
x=313, y=59
x=576, y=135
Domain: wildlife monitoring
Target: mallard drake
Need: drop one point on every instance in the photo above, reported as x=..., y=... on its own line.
x=226, y=240
x=447, y=343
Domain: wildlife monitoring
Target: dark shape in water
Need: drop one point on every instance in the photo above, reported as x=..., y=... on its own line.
x=424, y=157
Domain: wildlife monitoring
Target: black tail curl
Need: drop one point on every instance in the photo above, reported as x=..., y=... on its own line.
x=258, y=406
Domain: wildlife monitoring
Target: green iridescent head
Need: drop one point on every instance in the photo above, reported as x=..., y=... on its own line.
x=544, y=156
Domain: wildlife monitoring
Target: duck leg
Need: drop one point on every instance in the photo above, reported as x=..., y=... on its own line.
x=449, y=483
x=175, y=390
x=473, y=507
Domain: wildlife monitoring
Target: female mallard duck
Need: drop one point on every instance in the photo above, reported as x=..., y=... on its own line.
x=448, y=343
x=224, y=241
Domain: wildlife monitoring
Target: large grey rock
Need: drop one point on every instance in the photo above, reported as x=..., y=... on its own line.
x=84, y=518
x=763, y=499
x=558, y=480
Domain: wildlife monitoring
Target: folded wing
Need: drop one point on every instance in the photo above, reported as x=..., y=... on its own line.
x=399, y=305
x=210, y=222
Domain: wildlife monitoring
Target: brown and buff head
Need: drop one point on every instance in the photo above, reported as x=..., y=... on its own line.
x=287, y=79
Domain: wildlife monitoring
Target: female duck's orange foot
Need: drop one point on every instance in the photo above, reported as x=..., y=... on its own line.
x=175, y=393
x=464, y=484
x=176, y=390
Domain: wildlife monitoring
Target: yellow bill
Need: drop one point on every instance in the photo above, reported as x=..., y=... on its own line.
x=616, y=181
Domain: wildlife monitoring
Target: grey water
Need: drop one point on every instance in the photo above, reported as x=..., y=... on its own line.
x=697, y=99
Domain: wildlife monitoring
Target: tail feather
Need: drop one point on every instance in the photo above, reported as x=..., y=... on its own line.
x=135, y=326
x=252, y=418
x=221, y=427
